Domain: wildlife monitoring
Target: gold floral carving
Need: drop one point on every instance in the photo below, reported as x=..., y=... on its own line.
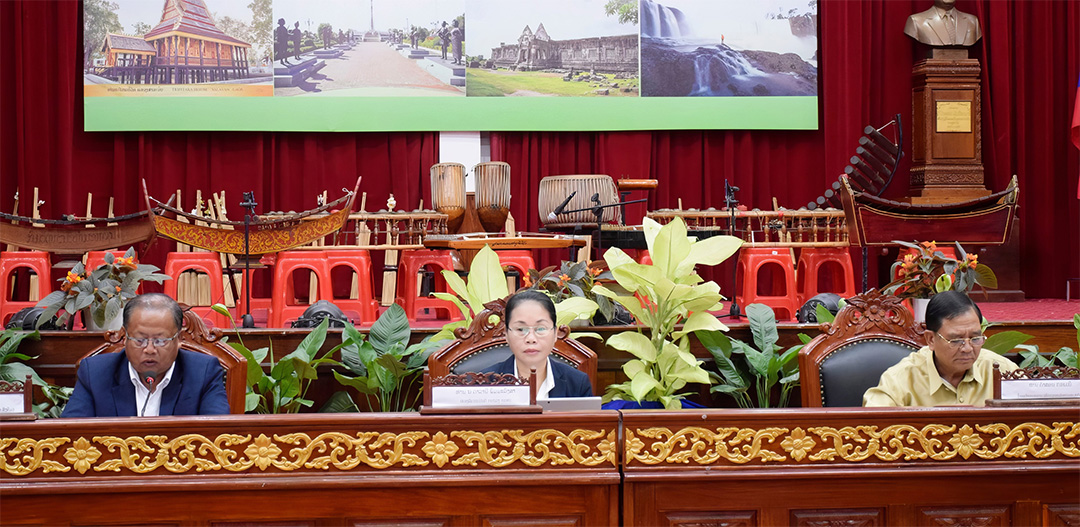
x=853, y=444
x=299, y=451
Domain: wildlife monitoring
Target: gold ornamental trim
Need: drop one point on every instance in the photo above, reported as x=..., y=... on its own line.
x=851, y=444
x=301, y=452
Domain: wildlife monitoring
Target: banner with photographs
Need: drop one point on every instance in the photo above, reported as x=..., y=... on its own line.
x=410, y=65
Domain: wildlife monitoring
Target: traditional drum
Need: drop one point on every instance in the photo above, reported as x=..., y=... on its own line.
x=492, y=194
x=448, y=192
x=555, y=189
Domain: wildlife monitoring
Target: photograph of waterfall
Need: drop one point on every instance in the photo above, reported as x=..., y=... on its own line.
x=715, y=48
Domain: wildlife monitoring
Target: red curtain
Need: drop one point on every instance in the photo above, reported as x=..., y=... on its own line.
x=1030, y=63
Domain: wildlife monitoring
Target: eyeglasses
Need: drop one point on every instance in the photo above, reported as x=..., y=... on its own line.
x=158, y=342
x=956, y=344
x=539, y=331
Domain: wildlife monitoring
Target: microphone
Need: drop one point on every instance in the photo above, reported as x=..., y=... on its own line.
x=562, y=206
x=149, y=378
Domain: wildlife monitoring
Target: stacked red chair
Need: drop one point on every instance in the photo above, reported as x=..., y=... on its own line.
x=412, y=262
x=825, y=270
x=283, y=306
x=753, y=261
x=359, y=260
x=11, y=261
x=207, y=263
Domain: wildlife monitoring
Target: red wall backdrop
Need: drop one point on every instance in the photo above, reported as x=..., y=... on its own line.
x=1031, y=60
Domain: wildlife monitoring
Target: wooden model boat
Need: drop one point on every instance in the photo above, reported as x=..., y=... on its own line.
x=278, y=234
x=75, y=236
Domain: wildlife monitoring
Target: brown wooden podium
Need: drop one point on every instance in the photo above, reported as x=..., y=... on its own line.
x=946, y=146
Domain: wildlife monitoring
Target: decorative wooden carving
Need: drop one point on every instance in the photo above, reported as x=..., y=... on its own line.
x=712, y=519
x=870, y=315
x=1063, y=515
x=480, y=379
x=988, y=516
x=194, y=336
x=838, y=518
x=1044, y=372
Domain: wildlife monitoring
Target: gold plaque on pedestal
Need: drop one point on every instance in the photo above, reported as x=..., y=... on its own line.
x=953, y=116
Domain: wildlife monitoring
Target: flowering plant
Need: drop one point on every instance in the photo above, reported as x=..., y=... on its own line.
x=573, y=279
x=927, y=271
x=104, y=290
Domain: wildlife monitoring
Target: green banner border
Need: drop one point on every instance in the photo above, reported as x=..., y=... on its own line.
x=400, y=114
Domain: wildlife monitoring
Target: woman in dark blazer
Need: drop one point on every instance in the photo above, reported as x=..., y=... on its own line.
x=530, y=334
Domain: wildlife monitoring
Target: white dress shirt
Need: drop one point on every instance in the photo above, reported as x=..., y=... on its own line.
x=153, y=407
x=545, y=387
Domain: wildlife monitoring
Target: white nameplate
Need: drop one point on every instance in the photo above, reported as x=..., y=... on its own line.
x=11, y=403
x=478, y=396
x=1041, y=389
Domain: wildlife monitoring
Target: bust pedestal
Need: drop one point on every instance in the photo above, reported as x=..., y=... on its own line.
x=947, y=128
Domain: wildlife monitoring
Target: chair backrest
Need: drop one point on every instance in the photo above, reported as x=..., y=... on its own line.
x=483, y=345
x=870, y=334
x=195, y=337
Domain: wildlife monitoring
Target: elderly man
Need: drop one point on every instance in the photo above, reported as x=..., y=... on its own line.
x=943, y=25
x=153, y=376
x=952, y=369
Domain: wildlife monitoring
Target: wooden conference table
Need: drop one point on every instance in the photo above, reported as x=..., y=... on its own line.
x=945, y=466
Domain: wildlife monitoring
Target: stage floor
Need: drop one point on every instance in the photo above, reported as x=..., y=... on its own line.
x=1043, y=310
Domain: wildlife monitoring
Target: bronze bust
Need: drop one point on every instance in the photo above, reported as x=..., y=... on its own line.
x=943, y=25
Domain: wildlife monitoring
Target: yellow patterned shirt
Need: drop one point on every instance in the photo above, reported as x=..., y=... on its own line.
x=914, y=381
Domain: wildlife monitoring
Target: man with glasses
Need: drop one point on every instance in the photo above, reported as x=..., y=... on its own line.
x=952, y=369
x=153, y=376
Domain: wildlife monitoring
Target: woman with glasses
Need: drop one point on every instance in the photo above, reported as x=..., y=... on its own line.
x=530, y=334
x=952, y=369
x=153, y=376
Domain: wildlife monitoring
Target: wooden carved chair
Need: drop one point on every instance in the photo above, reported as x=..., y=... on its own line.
x=483, y=345
x=870, y=334
x=195, y=337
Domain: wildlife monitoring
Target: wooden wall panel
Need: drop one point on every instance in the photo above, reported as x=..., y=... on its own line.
x=838, y=518
x=986, y=516
x=712, y=519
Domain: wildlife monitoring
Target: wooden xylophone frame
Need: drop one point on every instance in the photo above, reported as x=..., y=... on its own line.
x=758, y=228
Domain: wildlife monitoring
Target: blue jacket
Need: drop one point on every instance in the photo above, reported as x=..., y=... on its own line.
x=569, y=382
x=104, y=388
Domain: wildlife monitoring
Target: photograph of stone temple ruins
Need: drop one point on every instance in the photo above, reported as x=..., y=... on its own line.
x=565, y=49
x=176, y=42
x=710, y=48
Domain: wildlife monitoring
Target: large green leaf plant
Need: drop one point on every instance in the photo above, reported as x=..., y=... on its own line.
x=383, y=367
x=661, y=296
x=14, y=368
x=486, y=283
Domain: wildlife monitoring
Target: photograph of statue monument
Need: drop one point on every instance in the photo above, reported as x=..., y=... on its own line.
x=140, y=48
x=582, y=48
x=714, y=48
x=369, y=48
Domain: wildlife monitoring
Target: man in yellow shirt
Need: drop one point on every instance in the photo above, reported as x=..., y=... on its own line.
x=952, y=369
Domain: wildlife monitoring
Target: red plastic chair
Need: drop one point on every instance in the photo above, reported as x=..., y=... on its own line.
x=359, y=260
x=10, y=261
x=206, y=263
x=825, y=270
x=283, y=306
x=753, y=261
x=412, y=262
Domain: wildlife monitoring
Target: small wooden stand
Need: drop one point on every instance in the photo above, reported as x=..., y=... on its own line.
x=481, y=379
x=946, y=157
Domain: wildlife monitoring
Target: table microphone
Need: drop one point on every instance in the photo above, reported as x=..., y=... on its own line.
x=149, y=378
x=552, y=216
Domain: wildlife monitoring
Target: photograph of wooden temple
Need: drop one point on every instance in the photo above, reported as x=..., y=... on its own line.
x=185, y=47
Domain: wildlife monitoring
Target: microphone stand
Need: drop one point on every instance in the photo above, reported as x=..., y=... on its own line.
x=248, y=321
x=598, y=210
x=730, y=202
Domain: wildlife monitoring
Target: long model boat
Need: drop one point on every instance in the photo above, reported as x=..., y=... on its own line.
x=878, y=221
x=264, y=236
x=75, y=236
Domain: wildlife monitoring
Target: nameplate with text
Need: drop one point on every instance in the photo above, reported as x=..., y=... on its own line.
x=479, y=396
x=1041, y=389
x=953, y=116
x=12, y=403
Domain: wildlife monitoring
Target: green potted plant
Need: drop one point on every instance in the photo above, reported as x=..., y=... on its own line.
x=576, y=280
x=383, y=366
x=14, y=368
x=661, y=296
x=926, y=271
x=100, y=294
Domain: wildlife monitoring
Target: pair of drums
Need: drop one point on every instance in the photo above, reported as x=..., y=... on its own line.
x=493, y=196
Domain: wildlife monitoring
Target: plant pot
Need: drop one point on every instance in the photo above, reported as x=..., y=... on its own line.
x=918, y=308
x=110, y=325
